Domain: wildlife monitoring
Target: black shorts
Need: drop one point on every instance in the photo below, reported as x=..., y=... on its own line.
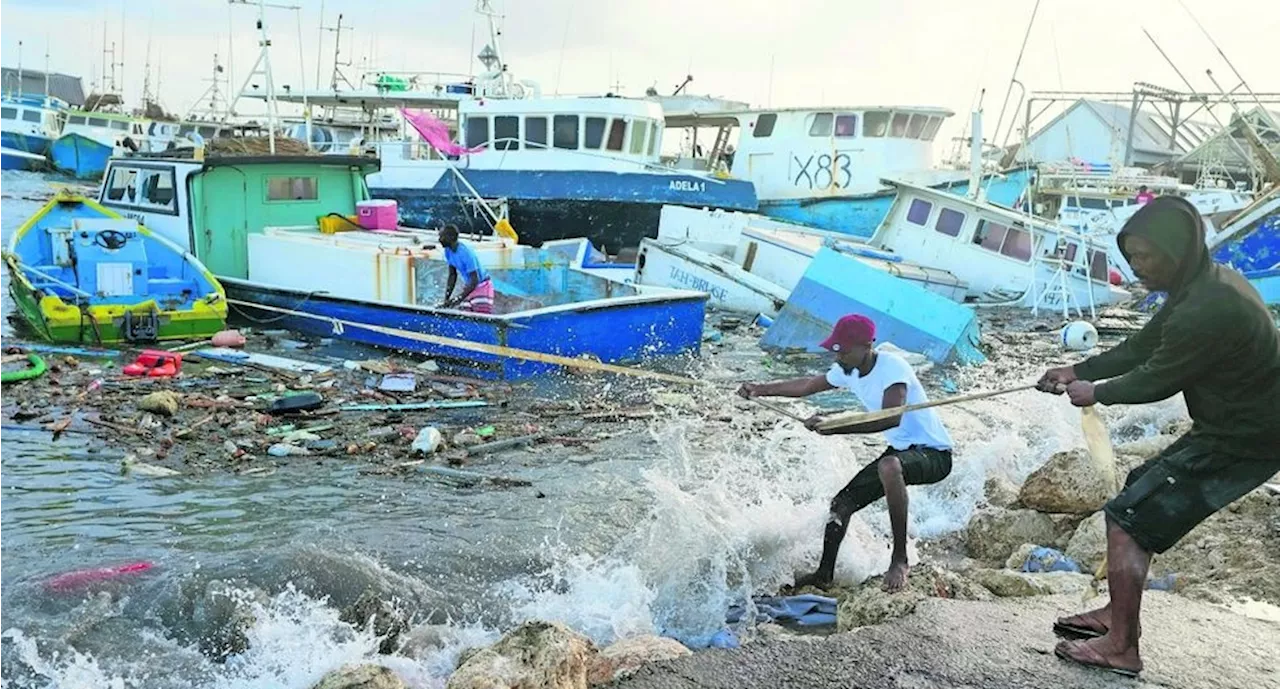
x=921, y=465
x=1169, y=494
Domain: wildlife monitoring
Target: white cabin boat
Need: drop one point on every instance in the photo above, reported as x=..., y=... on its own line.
x=748, y=263
x=1004, y=256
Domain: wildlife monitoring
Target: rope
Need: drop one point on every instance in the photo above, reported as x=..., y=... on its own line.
x=268, y=321
x=497, y=350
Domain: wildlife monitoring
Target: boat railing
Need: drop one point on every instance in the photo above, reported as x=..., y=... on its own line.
x=524, y=144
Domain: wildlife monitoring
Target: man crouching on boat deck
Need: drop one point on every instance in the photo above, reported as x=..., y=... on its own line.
x=477, y=289
x=919, y=450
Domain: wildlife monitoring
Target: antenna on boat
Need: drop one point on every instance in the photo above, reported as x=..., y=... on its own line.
x=218, y=109
x=337, y=52
x=21, y=88
x=262, y=67
x=1013, y=78
x=975, y=154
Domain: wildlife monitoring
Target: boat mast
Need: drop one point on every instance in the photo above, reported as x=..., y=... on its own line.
x=262, y=67
x=21, y=88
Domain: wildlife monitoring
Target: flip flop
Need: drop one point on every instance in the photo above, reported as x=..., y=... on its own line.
x=1077, y=631
x=1091, y=658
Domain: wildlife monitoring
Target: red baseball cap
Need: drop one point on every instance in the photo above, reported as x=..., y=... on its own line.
x=850, y=330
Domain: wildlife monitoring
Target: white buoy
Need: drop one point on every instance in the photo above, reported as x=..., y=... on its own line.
x=1079, y=336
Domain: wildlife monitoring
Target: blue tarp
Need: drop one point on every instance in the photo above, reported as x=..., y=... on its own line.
x=807, y=610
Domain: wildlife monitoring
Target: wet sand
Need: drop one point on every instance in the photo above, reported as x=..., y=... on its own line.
x=1003, y=643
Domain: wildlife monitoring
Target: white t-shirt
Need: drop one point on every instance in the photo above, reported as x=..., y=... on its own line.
x=921, y=427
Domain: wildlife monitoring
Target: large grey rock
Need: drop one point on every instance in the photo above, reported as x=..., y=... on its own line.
x=1088, y=545
x=626, y=656
x=1000, y=492
x=360, y=676
x=1009, y=584
x=535, y=655
x=388, y=622
x=993, y=533
x=869, y=605
x=1070, y=482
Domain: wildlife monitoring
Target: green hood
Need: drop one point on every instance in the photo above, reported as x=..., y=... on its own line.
x=1175, y=226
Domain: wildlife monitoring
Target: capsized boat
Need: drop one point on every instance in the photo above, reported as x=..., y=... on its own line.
x=82, y=273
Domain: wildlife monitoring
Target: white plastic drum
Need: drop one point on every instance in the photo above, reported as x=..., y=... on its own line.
x=1079, y=336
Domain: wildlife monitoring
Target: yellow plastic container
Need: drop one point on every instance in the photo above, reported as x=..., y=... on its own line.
x=330, y=224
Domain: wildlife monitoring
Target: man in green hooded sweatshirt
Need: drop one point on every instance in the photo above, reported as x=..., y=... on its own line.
x=1215, y=342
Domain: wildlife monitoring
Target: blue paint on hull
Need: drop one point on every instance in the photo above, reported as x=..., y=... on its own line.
x=905, y=314
x=622, y=331
x=27, y=143
x=1267, y=282
x=612, y=209
x=1258, y=248
x=861, y=216
x=80, y=156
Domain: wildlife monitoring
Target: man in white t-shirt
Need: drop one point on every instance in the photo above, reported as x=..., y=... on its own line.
x=919, y=450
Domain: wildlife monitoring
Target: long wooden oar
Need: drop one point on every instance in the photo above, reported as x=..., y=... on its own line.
x=778, y=409
x=854, y=418
x=497, y=350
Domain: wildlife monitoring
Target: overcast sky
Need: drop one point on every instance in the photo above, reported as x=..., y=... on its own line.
x=778, y=52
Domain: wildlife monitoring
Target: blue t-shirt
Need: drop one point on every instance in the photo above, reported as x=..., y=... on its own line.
x=464, y=260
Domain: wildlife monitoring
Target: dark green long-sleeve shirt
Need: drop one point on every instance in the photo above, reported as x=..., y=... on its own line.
x=1214, y=341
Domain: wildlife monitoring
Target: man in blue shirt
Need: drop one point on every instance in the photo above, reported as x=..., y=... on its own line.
x=477, y=289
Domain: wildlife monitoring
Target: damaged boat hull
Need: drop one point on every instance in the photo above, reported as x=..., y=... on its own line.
x=909, y=316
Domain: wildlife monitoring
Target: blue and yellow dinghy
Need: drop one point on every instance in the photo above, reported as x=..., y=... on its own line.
x=82, y=273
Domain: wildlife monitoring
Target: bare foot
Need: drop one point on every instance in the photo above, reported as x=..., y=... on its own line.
x=896, y=578
x=1103, y=653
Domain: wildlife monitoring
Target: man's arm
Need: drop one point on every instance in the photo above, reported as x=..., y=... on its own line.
x=796, y=387
x=453, y=282
x=1186, y=351
x=894, y=396
x=1125, y=356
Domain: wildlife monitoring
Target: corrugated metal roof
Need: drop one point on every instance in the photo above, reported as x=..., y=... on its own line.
x=1151, y=131
x=62, y=86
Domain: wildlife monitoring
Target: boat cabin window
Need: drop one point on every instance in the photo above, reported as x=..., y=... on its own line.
x=931, y=128
x=1098, y=267
x=846, y=126
x=638, y=130
x=477, y=131
x=566, y=131
x=1087, y=202
x=899, y=128
x=300, y=188
x=9, y=113
x=156, y=189
x=915, y=127
x=653, y=137
x=594, y=134
x=764, y=125
x=207, y=132
x=617, y=134
x=535, y=133
x=949, y=222
x=30, y=115
x=120, y=124
x=97, y=122
x=821, y=124
x=918, y=213
x=875, y=123
x=121, y=187
x=75, y=119
x=506, y=133
x=1014, y=242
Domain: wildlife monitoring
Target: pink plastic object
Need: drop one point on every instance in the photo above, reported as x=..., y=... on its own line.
x=228, y=338
x=379, y=214
x=85, y=577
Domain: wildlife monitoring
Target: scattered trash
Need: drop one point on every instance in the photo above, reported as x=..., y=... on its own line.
x=294, y=344
x=398, y=382
x=468, y=477
x=763, y=321
x=161, y=402
x=286, y=450
x=299, y=436
x=279, y=363
x=428, y=441
x=429, y=366
x=84, y=577
x=1041, y=559
x=88, y=353
x=303, y=401
x=950, y=386
x=712, y=335
x=1168, y=582
x=228, y=338
x=413, y=406
x=131, y=465
x=321, y=445
x=486, y=431
x=725, y=638
x=155, y=363
x=467, y=439
x=495, y=446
